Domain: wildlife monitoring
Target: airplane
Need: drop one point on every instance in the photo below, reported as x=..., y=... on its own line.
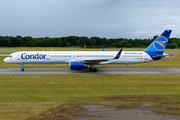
x=78, y=60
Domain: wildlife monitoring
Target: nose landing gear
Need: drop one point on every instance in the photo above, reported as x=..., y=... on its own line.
x=22, y=69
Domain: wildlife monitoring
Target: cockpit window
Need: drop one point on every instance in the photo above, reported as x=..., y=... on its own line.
x=10, y=56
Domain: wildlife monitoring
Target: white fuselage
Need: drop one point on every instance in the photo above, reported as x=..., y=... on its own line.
x=65, y=57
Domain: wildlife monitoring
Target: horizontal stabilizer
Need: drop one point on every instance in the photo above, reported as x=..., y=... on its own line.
x=160, y=56
x=164, y=55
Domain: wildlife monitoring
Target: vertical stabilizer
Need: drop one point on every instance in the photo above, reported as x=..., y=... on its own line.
x=158, y=46
x=160, y=43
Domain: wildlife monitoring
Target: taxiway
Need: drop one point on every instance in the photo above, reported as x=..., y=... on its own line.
x=86, y=71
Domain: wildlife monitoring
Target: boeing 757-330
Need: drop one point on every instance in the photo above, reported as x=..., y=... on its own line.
x=88, y=59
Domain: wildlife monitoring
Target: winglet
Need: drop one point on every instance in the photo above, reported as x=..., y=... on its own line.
x=103, y=49
x=118, y=55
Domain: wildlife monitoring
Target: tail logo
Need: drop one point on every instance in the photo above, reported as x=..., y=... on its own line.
x=160, y=43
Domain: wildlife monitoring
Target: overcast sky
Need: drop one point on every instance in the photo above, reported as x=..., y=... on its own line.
x=102, y=18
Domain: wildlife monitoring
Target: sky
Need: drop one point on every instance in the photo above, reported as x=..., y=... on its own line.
x=102, y=18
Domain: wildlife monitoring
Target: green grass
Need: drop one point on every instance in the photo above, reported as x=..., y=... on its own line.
x=158, y=103
x=25, y=96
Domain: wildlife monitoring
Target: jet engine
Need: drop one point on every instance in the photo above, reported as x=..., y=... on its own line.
x=77, y=65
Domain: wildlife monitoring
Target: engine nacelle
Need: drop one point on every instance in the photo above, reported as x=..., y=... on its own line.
x=77, y=65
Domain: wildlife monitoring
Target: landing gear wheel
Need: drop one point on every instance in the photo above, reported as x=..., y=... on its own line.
x=22, y=69
x=92, y=70
x=95, y=70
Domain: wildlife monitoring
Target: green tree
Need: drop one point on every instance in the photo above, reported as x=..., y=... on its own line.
x=156, y=36
x=69, y=44
x=32, y=43
x=98, y=40
x=171, y=46
x=60, y=43
x=92, y=42
x=84, y=41
x=115, y=45
x=19, y=40
x=176, y=40
x=14, y=42
x=103, y=45
x=77, y=42
x=24, y=41
x=104, y=41
x=71, y=39
x=5, y=42
x=128, y=45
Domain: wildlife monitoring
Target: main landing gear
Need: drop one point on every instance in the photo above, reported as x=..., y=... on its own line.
x=22, y=69
x=92, y=68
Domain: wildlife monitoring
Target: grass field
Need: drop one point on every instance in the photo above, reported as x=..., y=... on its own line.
x=23, y=96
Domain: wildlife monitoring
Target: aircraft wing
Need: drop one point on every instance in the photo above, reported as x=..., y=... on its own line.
x=102, y=60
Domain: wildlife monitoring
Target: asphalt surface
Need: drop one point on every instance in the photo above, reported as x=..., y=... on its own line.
x=100, y=112
x=86, y=71
x=4, y=54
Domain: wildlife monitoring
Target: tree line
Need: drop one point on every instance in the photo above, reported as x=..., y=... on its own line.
x=97, y=42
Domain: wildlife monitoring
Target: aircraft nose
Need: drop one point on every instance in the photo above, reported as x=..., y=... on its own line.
x=5, y=60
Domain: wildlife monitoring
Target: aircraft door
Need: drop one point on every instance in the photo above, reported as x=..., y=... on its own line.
x=19, y=57
x=48, y=57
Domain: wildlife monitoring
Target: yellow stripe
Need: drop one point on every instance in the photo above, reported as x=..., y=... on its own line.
x=164, y=38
